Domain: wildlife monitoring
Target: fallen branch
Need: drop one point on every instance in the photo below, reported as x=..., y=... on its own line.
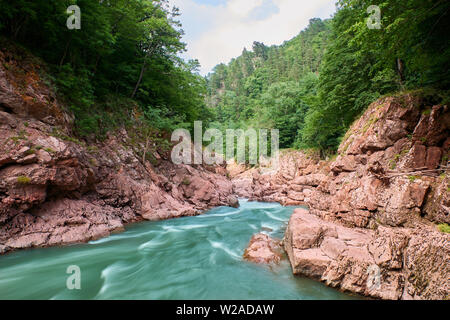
x=420, y=171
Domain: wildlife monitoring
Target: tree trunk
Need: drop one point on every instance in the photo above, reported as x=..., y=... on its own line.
x=141, y=75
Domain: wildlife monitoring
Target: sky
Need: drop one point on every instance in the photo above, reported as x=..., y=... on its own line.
x=218, y=30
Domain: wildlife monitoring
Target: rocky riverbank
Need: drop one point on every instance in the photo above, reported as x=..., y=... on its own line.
x=55, y=189
x=375, y=208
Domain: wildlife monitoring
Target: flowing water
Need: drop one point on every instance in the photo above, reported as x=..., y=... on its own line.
x=188, y=258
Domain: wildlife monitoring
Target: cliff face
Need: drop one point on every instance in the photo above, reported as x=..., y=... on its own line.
x=374, y=208
x=56, y=190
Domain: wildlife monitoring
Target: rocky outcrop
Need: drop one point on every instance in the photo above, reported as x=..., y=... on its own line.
x=297, y=175
x=263, y=249
x=55, y=189
x=373, y=208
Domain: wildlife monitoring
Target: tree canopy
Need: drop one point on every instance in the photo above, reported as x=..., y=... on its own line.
x=125, y=55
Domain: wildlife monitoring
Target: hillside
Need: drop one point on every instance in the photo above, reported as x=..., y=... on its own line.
x=245, y=91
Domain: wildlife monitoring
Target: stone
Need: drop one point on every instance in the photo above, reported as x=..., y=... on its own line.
x=416, y=157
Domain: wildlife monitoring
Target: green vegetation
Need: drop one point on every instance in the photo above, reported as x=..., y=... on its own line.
x=23, y=180
x=30, y=151
x=445, y=228
x=93, y=162
x=21, y=136
x=122, y=69
x=445, y=159
x=270, y=87
x=50, y=150
x=314, y=86
x=413, y=178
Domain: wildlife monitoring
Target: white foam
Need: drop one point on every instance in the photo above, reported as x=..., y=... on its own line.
x=219, y=215
x=253, y=226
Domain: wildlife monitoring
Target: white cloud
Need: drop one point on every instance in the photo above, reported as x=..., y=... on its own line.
x=242, y=8
x=216, y=34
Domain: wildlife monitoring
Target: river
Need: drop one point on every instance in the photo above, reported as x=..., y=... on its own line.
x=187, y=258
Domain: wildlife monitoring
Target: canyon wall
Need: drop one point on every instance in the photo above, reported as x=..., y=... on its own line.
x=55, y=189
x=373, y=212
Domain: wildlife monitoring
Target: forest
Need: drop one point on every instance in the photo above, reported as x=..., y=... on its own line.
x=123, y=67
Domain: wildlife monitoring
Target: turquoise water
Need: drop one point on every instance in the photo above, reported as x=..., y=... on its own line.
x=188, y=258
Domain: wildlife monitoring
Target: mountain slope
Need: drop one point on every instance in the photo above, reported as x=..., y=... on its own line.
x=56, y=189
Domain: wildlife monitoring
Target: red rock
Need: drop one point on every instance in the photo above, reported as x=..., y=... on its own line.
x=446, y=145
x=329, y=245
x=346, y=163
x=416, y=157
x=64, y=170
x=415, y=195
x=434, y=155
x=433, y=129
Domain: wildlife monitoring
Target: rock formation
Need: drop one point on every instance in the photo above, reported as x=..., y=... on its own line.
x=375, y=208
x=55, y=189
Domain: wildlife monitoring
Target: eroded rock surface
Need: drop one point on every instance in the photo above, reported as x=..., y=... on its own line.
x=376, y=205
x=386, y=263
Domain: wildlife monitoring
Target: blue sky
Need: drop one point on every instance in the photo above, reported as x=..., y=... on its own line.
x=218, y=30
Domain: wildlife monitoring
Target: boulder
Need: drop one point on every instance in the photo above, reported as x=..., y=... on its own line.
x=263, y=249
